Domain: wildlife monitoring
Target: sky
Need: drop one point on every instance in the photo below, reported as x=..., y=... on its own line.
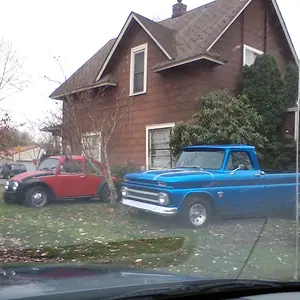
x=74, y=31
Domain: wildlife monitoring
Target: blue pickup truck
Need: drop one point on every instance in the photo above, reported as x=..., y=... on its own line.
x=207, y=181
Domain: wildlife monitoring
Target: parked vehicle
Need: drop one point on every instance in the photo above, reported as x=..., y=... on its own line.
x=11, y=170
x=221, y=180
x=59, y=177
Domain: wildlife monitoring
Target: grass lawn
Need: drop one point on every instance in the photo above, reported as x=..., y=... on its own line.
x=96, y=232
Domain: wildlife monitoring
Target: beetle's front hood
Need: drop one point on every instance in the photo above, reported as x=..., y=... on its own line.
x=33, y=174
x=171, y=175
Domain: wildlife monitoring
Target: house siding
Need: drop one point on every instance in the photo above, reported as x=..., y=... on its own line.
x=173, y=95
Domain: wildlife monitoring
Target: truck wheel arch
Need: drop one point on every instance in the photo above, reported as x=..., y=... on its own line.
x=203, y=196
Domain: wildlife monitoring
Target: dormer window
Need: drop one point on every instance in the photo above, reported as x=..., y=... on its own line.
x=138, y=70
x=250, y=55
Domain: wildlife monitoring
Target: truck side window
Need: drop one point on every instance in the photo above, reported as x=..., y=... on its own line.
x=239, y=158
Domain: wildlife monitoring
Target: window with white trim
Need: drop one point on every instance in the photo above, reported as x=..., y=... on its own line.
x=138, y=70
x=250, y=55
x=91, y=144
x=158, y=148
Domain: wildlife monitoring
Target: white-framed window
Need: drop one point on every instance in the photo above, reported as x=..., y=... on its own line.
x=91, y=144
x=158, y=153
x=250, y=55
x=138, y=70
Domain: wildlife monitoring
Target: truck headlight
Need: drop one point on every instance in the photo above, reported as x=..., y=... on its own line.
x=15, y=186
x=6, y=185
x=124, y=191
x=163, y=198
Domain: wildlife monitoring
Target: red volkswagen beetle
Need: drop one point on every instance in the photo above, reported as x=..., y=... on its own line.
x=59, y=177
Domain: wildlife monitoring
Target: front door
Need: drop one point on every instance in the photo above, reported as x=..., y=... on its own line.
x=244, y=188
x=70, y=179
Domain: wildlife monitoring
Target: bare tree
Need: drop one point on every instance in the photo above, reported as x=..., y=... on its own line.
x=77, y=117
x=12, y=79
x=95, y=129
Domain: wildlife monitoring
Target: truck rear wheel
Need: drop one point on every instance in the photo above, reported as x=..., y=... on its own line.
x=196, y=213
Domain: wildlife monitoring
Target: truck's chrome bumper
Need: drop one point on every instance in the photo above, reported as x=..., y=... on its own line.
x=160, y=210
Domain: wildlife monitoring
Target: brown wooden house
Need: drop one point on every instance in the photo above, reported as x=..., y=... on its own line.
x=154, y=72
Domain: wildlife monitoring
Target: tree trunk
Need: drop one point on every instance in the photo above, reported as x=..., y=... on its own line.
x=110, y=182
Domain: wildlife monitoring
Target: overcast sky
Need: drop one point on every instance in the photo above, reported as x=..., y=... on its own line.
x=74, y=30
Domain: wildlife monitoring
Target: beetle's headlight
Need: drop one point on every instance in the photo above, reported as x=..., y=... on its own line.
x=6, y=185
x=163, y=198
x=15, y=186
x=124, y=191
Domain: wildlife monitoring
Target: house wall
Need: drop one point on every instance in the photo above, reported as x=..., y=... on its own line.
x=173, y=95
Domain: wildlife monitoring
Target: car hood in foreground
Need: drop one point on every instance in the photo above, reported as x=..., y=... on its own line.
x=39, y=280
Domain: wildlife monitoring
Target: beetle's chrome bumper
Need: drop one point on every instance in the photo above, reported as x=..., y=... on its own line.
x=156, y=209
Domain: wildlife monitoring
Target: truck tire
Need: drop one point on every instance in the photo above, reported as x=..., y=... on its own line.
x=36, y=197
x=196, y=213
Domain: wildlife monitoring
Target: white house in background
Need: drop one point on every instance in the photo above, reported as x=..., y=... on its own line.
x=27, y=155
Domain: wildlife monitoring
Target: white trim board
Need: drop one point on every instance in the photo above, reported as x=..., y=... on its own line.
x=226, y=28
x=112, y=51
x=134, y=51
x=254, y=50
x=186, y=61
x=154, y=126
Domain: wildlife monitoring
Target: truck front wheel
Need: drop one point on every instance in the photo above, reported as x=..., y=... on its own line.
x=196, y=213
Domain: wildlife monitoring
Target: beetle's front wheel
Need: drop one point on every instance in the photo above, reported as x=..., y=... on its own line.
x=36, y=197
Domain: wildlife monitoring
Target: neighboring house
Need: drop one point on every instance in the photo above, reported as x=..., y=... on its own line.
x=26, y=155
x=155, y=72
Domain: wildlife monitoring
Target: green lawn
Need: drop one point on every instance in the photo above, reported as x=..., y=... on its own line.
x=96, y=232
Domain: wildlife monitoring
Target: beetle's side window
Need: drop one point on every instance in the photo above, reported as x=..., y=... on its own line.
x=71, y=166
x=239, y=158
x=93, y=168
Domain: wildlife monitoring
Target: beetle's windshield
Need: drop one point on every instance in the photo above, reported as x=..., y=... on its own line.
x=205, y=159
x=48, y=164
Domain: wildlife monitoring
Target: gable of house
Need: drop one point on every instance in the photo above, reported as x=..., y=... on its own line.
x=183, y=39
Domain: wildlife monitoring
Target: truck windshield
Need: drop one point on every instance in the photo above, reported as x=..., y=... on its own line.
x=201, y=158
x=48, y=164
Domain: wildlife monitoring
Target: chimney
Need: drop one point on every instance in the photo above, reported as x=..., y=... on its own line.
x=178, y=9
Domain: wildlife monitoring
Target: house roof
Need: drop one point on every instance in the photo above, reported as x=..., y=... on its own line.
x=85, y=76
x=183, y=39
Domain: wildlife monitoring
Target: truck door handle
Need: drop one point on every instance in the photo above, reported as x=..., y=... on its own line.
x=259, y=174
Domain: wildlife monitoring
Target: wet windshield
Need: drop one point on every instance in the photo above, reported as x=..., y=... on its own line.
x=163, y=139
x=201, y=159
x=48, y=164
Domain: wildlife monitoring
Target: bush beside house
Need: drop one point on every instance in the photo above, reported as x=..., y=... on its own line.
x=255, y=116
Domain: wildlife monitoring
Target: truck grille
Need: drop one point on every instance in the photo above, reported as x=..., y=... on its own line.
x=135, y=194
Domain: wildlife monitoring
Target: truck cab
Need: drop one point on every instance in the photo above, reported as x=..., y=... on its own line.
x=207, y=181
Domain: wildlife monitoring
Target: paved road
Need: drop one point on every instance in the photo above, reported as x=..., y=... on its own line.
x=2, y=181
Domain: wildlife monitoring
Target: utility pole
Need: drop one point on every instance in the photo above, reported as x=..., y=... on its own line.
x=297, y=178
